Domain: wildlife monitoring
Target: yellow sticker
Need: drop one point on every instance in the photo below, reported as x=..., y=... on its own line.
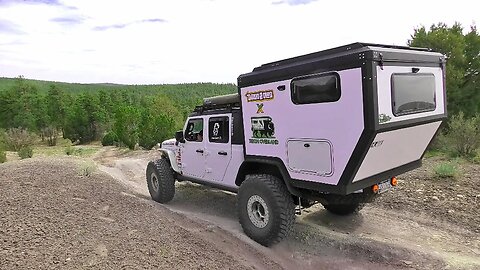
x=258, y=96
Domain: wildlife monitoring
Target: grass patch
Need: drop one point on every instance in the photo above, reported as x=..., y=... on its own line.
x=81, y=151
x=87, y=168
x=434, y=153
x=3, y=156
x=476, y=158
x=446, y=170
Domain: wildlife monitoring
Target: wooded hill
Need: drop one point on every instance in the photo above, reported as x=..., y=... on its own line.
x=128, y=114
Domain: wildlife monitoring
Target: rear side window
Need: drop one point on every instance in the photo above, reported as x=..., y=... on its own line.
x=218, y=130
x=316, y=89
x=413, y=93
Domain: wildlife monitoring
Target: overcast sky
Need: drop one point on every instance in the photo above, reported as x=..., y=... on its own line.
x=174, y=41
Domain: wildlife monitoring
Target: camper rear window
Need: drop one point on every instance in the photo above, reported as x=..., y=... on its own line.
x=413, y=93
x=316, y=89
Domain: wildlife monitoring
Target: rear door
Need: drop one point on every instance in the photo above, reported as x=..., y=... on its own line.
x=218, y=147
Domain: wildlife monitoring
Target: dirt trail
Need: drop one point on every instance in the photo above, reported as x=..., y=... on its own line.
x=374, y=239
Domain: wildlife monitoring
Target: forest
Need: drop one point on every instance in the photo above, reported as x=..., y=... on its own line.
x=123, y=115
x=142, y=115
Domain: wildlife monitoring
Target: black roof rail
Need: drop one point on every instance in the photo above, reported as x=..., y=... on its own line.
x=338, y=50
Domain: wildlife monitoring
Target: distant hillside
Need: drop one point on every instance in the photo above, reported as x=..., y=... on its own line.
x=188, y=90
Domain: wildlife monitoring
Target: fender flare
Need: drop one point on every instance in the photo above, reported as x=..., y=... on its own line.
x=169, y=154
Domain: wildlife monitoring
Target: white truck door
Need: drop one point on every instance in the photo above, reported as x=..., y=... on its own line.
x=218, y=148
x=193, y=150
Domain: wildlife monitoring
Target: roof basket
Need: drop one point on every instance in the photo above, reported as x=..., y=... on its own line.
x=221, y=100
x=219, y=103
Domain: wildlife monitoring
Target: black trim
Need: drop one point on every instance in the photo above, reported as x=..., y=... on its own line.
x=410, y=123
x=277, y=162
x=370, y=108
x=358, y=185
x=237, y=126
x=344, y=57
x=206, y=183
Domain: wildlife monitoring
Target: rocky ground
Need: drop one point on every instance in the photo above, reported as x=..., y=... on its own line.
x=455, y=200
x=78, y=213
x=54, y=217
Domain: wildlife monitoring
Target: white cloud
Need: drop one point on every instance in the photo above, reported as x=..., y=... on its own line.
x=188, y=41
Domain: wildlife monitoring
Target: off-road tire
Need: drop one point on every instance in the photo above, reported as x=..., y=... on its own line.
x=344, y=208
x=164, y=189
x=278, y=202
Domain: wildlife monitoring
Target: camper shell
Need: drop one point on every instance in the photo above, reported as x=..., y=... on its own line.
x=354, y=138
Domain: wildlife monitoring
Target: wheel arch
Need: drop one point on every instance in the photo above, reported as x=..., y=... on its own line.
x=170, y=155
x=265, y=165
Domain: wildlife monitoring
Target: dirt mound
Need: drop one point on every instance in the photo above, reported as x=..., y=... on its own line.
x=52, y=217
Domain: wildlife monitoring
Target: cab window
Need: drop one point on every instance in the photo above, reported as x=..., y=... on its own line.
x=218, y=130
x=194, y=130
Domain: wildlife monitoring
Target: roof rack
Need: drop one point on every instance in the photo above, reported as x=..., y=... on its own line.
x=225, y=102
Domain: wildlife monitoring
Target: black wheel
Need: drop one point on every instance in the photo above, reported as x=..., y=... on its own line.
x=343, y=209
x=160, y=180
x=265, y=208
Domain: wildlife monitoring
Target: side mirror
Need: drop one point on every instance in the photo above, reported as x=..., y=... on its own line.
x=179, y=136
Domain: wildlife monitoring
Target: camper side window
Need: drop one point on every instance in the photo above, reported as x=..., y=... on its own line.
x=316, y=89
x=413, y=93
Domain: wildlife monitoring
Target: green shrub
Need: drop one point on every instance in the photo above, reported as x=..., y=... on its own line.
x=25, y=152
x=463, y=136
x=18, y=138
x=446, y=170
x=476, y=158
x=109, y=139
x=3, y=156
x=69, y=150
x=87, y=168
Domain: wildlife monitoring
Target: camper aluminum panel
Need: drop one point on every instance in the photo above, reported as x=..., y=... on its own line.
x=340, y=122
x=395, y=148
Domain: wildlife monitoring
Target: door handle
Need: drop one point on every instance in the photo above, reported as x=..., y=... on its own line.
x=199, y=151
x=223, y=153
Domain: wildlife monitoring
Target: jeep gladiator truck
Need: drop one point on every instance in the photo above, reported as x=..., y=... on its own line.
x=334, y=127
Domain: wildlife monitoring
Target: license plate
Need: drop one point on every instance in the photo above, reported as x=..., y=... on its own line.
x=384, y=186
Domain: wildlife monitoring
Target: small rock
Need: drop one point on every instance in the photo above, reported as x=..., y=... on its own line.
x=451, y=211
x=407, y=262
x=435, y=198
x=460, y=196
x=68, y=259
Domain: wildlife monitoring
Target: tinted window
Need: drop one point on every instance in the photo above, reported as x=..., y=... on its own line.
x=218, y=130
x=413, y=93
x=194, y=130
x=316, y=89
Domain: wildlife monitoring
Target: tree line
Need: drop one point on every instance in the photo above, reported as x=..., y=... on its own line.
x=117, y=116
